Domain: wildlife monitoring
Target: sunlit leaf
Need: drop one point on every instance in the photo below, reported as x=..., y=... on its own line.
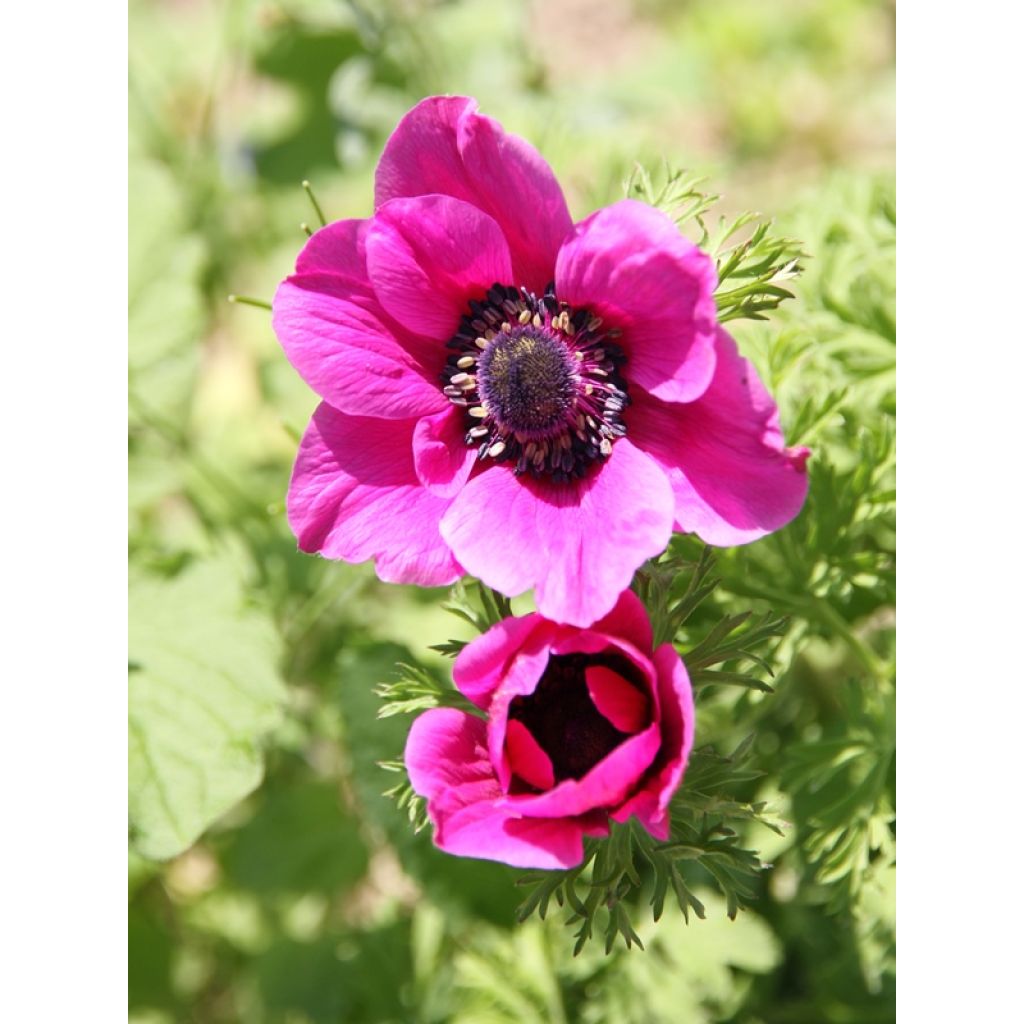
x=203, y=691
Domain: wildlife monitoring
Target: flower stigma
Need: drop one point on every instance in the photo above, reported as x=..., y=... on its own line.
x=540, y=381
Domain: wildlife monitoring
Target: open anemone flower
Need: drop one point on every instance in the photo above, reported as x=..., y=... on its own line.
x=582, y=726
x=511, y=395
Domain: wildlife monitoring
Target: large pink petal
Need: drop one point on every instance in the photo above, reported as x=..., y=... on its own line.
x=577, y=544
x=428, y=256
x=446, y=756
x=629, y=621
x=347, y=354
x=733, y=478
x=442, y=145
x=494, y=831
x=629, y=263
x=481, y=665
x=443, y=459
x=650, y=804
x=607, y=784
x=338, y=248
x=354, y=495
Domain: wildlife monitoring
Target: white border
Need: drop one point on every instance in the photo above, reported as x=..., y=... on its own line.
x=960, y=715
x=62, y=754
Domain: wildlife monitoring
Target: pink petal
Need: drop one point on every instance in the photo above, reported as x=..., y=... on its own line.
x=628, y=620
x=519, y=679
x=526, y=758
x=588, y=641
x=442, y=145
x=732, y=476
x=447, y=760
x=650, y=805
x=346, y=353
x=446, y=757
x=354, y=495
x=577, y=544
x=481, y=665
x=338, y=248
x=428, y=256
x=443, y=460
x=618, y=700
x=607, y=784
x=493, y=831
x=629, y=264
x=341, y=341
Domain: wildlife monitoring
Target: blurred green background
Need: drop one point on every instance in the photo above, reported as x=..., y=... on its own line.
x=269, y=878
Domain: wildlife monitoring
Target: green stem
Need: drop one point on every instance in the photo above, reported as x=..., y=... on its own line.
x=316, y=206
x=247, y=300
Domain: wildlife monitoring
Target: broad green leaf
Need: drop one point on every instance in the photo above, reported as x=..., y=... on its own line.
x=203, y=690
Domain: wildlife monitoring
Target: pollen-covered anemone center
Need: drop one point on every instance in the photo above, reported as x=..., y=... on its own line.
x=562, y=717
x=526, y=379
x=540, y=381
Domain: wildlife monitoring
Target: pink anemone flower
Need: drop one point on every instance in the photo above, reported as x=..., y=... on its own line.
x=582, y=726
x=506, y=393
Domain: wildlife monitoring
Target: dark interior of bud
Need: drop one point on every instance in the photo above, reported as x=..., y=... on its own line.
x=526, y=378
x=562, y=717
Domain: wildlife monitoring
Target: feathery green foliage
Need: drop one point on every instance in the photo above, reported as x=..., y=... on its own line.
x=751, y=265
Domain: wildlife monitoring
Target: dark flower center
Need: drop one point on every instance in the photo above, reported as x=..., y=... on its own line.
x=562, y=717
x=540, y=381
x=527, y=381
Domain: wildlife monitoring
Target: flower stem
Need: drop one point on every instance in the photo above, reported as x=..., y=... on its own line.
x=316, y=206
x=247, y=300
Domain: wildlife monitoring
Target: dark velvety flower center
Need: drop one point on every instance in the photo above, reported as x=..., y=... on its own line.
x=540, y=381
x=527, y=380
x=563, y=718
